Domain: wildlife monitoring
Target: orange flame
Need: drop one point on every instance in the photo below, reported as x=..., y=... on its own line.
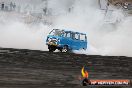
x=84, y=73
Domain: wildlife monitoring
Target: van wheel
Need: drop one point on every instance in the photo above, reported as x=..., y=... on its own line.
x=65, y=49
x=51, y=48
x=84, y=49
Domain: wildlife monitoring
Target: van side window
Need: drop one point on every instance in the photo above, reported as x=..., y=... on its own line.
x=68, y=34
x=64, y=35
x=82, y=37
x=76, y=36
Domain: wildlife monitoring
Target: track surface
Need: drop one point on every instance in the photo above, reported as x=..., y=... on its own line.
x=41, y=69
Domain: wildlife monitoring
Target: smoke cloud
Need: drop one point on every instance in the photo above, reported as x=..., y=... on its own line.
x=14, y=33
x=107, y=35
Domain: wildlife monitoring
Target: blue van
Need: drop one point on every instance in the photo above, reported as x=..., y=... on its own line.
x=66, y=40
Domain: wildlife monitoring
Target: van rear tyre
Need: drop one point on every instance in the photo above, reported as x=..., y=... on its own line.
x=65, y=49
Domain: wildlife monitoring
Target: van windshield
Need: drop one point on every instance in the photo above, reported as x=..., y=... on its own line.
x=57, y=32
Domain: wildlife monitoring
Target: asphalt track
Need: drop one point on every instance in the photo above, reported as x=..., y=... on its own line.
x=21, y=68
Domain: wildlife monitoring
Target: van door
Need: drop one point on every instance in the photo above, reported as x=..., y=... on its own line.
x=83, y=41
x=67, y=40
x=76, y=41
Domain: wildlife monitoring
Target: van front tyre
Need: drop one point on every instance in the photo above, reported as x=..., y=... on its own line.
x=51, y=48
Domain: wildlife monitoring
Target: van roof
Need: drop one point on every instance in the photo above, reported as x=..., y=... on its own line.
x=67, y=30
x=74, y=32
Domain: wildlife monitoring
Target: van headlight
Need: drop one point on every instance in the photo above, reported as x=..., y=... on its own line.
x=49, y=39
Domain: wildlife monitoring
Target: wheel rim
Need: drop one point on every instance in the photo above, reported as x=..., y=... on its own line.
x=65, y=49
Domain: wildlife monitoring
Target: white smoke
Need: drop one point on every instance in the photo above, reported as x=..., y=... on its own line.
x=14, y=33
x=104, y=38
